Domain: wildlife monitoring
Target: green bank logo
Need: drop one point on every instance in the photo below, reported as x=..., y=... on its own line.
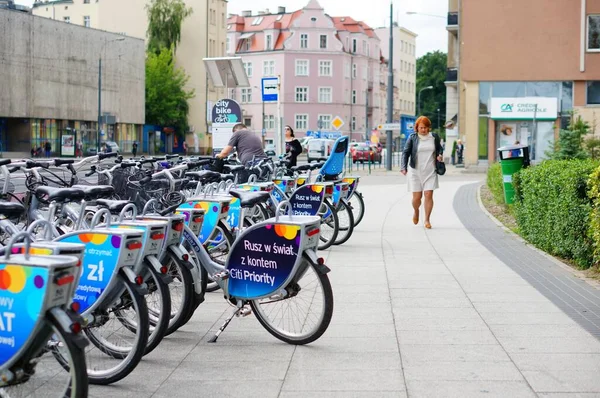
x=506, y=108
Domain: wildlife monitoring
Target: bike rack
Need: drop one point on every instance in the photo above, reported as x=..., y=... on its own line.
x=283, y=203
x=96, y=218
x=134, y=212
x=47, y=228
x=27, y=238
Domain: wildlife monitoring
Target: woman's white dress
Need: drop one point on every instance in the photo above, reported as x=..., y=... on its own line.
x=423, y=177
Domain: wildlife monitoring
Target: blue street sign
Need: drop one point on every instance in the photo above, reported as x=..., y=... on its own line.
x=314, y=134
x=332, y=136
x=270, y=90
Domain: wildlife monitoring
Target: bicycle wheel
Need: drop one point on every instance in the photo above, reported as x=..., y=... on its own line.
x=283, y=318
x=57, y=371
x=181, y=290
x=218, y=247
x=346, y=222
x=330, y=225
x=115, y=350
x=357, y=204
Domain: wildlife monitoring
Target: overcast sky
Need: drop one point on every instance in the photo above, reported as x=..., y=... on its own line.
x=431, y=30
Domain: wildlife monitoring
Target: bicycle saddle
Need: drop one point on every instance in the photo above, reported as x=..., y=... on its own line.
x=317, y=165
x=96, y=192
x=204, y=175
x=301, y=167
x=114, y=206
x=11, y=209
x=249, y=199
x=61, y=195
x=234, y=167
x=225, y=177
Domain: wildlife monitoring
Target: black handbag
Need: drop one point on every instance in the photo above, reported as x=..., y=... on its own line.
x=440, y=167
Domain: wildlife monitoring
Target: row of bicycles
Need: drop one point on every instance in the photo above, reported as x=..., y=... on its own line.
x=102, y=258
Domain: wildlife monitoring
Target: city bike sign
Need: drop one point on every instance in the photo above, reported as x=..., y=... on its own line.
x=226, y=111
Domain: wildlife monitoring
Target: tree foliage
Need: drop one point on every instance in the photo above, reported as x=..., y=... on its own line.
x=166, y=96
x=165, y=18
x=570, y=144
x=431, y=71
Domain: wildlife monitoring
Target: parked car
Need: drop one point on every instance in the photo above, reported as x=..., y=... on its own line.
x=304, y=142
x=364, y=153
x=270, y=150
x=111, y=146
x=319, y=149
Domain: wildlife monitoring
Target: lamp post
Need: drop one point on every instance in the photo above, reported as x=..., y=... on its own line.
x=438, y=115
x=419, y=98
x=100, y=90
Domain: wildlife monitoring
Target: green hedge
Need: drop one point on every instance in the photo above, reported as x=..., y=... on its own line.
x=494, y=182
x=553, y=209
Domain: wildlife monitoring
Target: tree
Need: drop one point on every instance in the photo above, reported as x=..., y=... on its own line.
x=164, y=23
x=570, y=144
x=431, y=71
x=166, y=97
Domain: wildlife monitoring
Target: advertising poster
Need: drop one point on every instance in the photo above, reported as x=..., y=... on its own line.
x=306, y=201
x=22, y=292
x=261, y=260
x=507, y=134
x=67, y=145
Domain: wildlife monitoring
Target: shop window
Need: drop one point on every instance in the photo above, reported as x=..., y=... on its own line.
x=484, y=97
x=542, y=89
x=593, y=92
x=593, y=36
x=508, y=89
x=566, y=97
x=483, y=138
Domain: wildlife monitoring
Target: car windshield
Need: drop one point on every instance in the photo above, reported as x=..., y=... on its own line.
x=362, y=148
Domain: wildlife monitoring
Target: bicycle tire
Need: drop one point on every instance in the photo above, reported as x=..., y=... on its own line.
x=182, y=277
x=158, y=322
x=358, y=211
x=344, y=232
x=133, y=356
x=212, y=286
x=331, y=221
x=324, y=321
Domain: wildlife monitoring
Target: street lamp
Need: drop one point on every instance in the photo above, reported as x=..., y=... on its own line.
x=428, y=15
x=438, y=115
x=419, y=98
x=100, y=90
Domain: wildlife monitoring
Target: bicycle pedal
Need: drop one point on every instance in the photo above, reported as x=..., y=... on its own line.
x=221, y=276
x=245, y=311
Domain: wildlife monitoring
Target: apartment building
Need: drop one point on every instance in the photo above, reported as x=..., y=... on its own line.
x=519, y=82
x=329, y=67
x=405, y=67
x=203, y=35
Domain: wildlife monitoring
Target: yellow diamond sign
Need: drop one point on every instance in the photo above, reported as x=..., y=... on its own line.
x=337, y=122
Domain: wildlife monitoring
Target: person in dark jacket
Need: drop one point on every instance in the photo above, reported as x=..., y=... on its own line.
x=293, y=148
x=423, y=149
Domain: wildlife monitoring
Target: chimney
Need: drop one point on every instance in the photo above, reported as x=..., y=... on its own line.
x=231, y=15
x=247, y=13
x=280, y=10
x=261, y=13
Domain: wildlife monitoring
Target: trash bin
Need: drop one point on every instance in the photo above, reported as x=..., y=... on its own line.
x=512, y=159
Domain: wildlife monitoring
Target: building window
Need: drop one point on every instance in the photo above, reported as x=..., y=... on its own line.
x=301, y=67
x=325, y=95
x=304, y=40
x=248, y=121
x=353, y=124
x=301, y=121
x=354, y=71
x=325, y=68
x=323, y=41
x=324, y=122
x=269, y=122
x=86, y=1
x=364, y=47
x=354, y=96
x=86, y=21
x=301, y=94
x=593, y=33
x=246, y=95
x=593, y=92
x=67, y=19
x=228, y=46
x=257, y=21
x=248, y=68
x=354, y=46
x=269, y=45
x=268, y=68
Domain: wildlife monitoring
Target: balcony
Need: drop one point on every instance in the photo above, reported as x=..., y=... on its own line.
x=451, y=77
x=452, y=22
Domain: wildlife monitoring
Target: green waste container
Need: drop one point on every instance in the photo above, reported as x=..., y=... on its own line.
x=512, y=159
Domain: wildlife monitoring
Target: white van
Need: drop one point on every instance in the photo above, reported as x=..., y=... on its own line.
x=319, y=149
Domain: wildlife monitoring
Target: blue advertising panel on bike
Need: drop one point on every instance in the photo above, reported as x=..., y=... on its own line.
x=99, y=263
x=22, y=292
x=262, y=260
x=306, y=200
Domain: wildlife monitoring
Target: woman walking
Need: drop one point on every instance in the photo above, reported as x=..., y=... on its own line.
x=293, y=148
x=421, y=152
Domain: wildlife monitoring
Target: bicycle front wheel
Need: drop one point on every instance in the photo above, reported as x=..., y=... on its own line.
x=304, y=315
x=357, y=204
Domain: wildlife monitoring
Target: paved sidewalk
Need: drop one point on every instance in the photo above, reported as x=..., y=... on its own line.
x=418, y=313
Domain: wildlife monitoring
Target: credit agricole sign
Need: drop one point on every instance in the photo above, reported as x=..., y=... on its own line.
x=540, y=108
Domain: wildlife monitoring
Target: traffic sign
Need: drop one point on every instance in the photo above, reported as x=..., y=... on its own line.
x=270, y=89
x=337, y=122
x=332, y=136
x=389, y=126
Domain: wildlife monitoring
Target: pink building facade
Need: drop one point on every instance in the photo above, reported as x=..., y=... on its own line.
x=328, y=67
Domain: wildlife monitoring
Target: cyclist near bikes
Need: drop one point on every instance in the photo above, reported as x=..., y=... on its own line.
x=248, y=146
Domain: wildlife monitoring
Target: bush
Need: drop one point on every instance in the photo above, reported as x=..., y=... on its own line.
x=553, y=209
x=495, y=182
x=594, y=230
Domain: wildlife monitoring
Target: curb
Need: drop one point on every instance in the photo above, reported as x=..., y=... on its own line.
x=579, y=274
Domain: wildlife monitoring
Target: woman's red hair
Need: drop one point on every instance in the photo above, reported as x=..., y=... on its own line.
x=424, y=120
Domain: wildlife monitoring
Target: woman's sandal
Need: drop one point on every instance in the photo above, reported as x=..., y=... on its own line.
x=427, y=225
x=416, y=218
